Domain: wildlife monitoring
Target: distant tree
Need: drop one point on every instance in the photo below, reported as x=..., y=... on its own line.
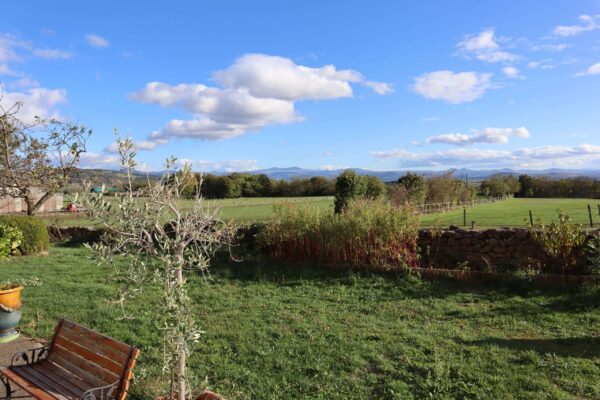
x=442, y=188
x=499, y=186
x=415, y=188
x=37, y=158
x=374, y=187
x=348, y=186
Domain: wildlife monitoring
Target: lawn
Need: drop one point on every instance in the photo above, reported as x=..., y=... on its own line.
x=512, y=212
x=278, y=331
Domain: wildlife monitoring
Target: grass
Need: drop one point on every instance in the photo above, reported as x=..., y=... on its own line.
x=512, y=212
x=278, y=331
x=243, y=209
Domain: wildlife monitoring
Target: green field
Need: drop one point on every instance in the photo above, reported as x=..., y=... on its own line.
x=277, y=331
x=512, y=212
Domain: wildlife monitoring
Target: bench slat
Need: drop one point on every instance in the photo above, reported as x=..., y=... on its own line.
x=98, y=360
x=105, y=340
x=63, y=378
x=105, y=351
x=44, y=382
x=24, y=384
x=80, y=367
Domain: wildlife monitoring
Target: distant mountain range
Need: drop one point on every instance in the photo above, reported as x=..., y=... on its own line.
x=387, y=176
x=113, y=177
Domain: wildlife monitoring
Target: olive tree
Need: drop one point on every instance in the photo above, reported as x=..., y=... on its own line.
x=161, y=240
x=37, y=157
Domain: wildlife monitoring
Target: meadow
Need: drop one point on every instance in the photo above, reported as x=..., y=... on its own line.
x=510, y=212
x=284, y=331
x=513, y=212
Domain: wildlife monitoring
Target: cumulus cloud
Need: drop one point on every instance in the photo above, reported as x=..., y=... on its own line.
x=486, y=135
x=452, y=87
x=587, y=23
x=40, y=102
x=96, y=41
x=511, y=72
x=584, y=155
x=544, y=64
x=592, y=70
x=550, y=47
x=484, y=46
x=257, y=90
x=145, y=145
x=95, y=160
x=222, y=166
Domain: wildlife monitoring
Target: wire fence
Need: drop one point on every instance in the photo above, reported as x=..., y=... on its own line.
x=432, y=208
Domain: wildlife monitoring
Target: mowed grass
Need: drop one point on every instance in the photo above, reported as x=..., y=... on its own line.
x=513, y=212
x=277, y=331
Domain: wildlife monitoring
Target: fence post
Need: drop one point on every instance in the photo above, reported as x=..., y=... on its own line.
x=530, y=217
x=598, y=209
x=465, y=217
x=590, y=214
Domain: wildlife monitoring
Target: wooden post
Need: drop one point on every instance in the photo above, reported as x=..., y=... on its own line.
x=465, y=216
x=598, y=209
x=530, y=218
x=590, y=214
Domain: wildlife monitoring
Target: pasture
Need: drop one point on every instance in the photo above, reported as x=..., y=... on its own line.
x=513, y=212
x=276, y=331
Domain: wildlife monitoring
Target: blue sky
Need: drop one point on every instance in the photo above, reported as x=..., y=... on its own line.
x=238, y=85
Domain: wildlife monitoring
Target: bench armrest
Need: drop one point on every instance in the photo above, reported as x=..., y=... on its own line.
x=107, y=392
x=30, y=356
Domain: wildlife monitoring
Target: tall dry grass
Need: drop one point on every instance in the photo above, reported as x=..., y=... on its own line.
x=369, y=233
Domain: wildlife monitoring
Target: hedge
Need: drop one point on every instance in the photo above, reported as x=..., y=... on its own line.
x=35, y=234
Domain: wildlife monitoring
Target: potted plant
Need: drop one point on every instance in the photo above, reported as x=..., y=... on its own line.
x=10, y=311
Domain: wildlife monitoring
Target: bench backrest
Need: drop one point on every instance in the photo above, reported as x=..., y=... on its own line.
x=95, y=359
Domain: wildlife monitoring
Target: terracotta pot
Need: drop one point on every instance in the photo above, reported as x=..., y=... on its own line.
x=10, y=313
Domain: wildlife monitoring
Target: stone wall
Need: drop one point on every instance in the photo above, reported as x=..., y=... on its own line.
x=491, y=249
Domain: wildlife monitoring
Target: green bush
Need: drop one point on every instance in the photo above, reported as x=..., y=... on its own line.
x=10, y=240
x=368, y=233
x=35, y=233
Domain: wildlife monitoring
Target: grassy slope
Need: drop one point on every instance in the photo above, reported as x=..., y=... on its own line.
x=512, y=212
x=288, y=332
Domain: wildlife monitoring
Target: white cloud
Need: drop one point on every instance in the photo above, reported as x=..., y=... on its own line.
x=486, y=135
x=40, y=102
x=256, y=91
x=584, y=155
x=550, y=47
x=511, y=72
x=592, y=70
x=24, y=83
x=485, y=47
x=222, y=166
x=96, y=41
x=544, y=64
x=95, y=160
x=329, y=167
x=50, y=54
x=328, y=154
x=452, y=87
x=587, y=23
x=145, y=145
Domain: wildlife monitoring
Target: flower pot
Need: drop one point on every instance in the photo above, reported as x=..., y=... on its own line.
x=10, y=313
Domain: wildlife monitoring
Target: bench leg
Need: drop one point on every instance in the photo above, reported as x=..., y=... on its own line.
x=7, y=387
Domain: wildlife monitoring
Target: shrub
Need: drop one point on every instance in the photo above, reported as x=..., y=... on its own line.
x=35, y=234
x=593, y=255
x=10, y=240
x=369, y=233
x=562, y=241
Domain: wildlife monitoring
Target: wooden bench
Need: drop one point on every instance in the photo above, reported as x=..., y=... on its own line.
x=79, y=363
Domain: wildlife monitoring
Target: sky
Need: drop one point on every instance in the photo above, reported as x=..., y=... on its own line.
x=381, y=85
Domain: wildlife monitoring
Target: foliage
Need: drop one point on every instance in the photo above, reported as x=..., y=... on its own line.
x=544, y=187
x=36, y=158
x=159, y=253
x=10, y=240
x=278, y=331
x=350, y=186
x=593, y=255
x=562, y=241
x=35, y=234
x=237, y=185
x=415, y=189
x=447, y=189
x=368, y=233
x=499, y=186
